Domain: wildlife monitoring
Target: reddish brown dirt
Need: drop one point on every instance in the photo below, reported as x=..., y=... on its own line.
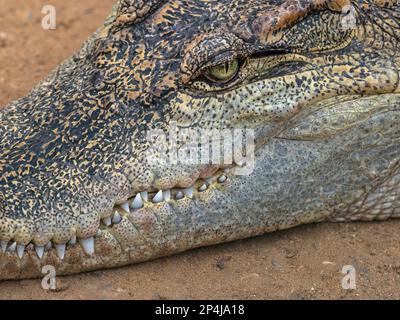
x=303, y=263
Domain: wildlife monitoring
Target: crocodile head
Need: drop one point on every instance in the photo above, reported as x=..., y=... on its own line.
x=315, y=82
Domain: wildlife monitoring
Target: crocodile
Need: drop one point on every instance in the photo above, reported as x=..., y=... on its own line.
x=316, y=83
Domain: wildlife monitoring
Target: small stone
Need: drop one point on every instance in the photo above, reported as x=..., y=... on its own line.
x=221, y=262
x=290, y=253
x=276, y=264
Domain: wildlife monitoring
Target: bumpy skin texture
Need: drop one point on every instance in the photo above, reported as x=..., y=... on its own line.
x=323, y=100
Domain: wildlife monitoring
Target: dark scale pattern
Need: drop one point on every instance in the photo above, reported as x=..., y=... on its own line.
x=76, y=146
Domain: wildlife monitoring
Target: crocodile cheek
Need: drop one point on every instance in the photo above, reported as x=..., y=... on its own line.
x=140, y=177
x=23, y=231
x=120, y=189
x=7, y=230
x=42, y=237
x=45, y=230
x=209, y=171
x=174, y=178
x=87, y=225
x=63, y=234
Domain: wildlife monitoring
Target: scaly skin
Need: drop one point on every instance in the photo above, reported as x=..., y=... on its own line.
x=324, y=103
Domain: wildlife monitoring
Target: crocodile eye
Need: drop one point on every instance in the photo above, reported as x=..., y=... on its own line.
x=223, y=72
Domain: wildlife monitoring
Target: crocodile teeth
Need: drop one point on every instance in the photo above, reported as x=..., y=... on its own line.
x=188, y=192
x=239, y=163
x=48, y=245
x=179, y=195
x=145, y=195
x=137, y=203
x=3, y=246
x=125, y=207
x=39, y=251
x=60, y=248
x=87, y=245
x=20, y=251
x=116, y=218
x=222, y=179
x=107, y=221
x=72, y=242
x=167, y=195
x=203, y=188
x=12, y=247
x=158, y=197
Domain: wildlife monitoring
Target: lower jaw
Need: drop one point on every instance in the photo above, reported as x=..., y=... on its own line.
x=151, y=232
x=155, y=230
x=160, y=227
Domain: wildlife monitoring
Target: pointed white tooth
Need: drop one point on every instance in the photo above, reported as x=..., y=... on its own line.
x=222, y=179
x=87, y=245
x=179, y=195
x=158, y=197
x=60, y=248
x=188, y=192
x=145, y=195
x=116, y=218
x=137, y=203
x=203, y=188
x=98, y=234
x=12, y=247
x=167, y=195
x=3, y=246
x=39, y=251
x=48, y=246
x=20, y=251
x=125, y=207
x=239, y=163
x=72, y=242
x=107, y=221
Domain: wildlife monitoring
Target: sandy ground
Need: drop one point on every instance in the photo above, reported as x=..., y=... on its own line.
x=302, y=263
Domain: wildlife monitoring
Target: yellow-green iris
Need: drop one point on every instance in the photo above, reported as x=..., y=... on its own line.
x=223, y=72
